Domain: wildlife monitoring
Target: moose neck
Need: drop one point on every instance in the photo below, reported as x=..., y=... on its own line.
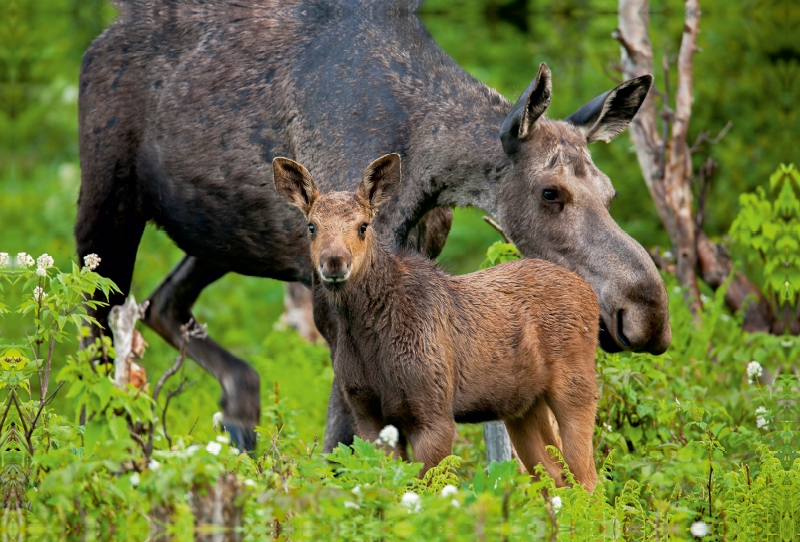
x=466, y=163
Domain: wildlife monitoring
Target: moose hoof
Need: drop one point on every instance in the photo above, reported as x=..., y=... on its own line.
x=242, y=438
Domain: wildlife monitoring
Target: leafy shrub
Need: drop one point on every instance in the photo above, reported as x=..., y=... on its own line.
x=768, y=228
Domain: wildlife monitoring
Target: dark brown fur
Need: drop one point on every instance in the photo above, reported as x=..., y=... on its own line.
x=421, y=350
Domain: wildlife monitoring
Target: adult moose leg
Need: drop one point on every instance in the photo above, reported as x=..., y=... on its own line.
x=169, y=309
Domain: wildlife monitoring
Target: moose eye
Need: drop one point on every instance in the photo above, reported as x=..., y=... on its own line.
x=311, y=229
x=363, y=229
x=550, y=195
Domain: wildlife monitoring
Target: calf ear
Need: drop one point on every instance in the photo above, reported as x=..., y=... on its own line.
x=518, y=125
x=380, y=180
x=605, y=117
x=293, y=183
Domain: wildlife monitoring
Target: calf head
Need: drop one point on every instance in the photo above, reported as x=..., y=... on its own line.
x=562, y=215
x=338, y=222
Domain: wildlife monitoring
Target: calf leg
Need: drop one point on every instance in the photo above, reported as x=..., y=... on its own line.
x=169, y=309
x=432, y=442
x=575, y=409
x=530, y=434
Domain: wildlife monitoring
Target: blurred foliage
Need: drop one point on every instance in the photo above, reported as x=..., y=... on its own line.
x=768, y=230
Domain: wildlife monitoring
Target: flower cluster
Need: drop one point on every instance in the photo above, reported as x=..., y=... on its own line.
x=699, y=529
x=43, y=263
x=754, y=371
x=410, y=499
x=389, y=435
x=450, y=490
x=4, y=259
x=24, y=260
x=761, y=417
x=91, y=261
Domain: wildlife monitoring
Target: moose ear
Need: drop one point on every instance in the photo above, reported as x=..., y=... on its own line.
x=529, y=107
x=380, y=180
x=605, y=117
x=293, y=183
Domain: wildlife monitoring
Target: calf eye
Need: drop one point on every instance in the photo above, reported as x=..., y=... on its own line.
x=363, y=229
x=550, y=194
x=311, y=229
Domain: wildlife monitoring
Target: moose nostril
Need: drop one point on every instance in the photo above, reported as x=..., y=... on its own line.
x=620, y=334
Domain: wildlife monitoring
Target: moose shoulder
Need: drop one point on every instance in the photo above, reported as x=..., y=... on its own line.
x=183, y=106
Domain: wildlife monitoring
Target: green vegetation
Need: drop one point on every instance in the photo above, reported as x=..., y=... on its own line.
x=694, y=435
x=691, y=437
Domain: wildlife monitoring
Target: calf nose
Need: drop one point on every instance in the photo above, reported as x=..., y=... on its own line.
x=334, y=265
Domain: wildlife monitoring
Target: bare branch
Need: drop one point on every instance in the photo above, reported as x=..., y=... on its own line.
x=41, y=407
x=489, y=220
x=181, y=387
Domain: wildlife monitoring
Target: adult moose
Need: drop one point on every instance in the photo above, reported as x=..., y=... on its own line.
x=183, y=106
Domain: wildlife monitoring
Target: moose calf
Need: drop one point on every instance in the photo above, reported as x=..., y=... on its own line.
x=421, y=350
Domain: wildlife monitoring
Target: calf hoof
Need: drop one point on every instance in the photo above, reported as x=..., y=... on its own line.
x=241, y=437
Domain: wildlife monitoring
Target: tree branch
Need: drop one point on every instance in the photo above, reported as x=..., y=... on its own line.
x=489, y=220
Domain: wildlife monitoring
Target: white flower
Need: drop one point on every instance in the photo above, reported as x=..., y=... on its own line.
x=356, y=491
x=761, y=418
x=135, y=479
x=91, y=261
x=192, y=449
x=214, y=448
x=608, y=427
x=699, y=529
x=153, y=465
x=389, y=435
x=223, y=439
x=351, y=504
x=216, y=421
x=556, y=502
x=754, y=371
x=704, y=298
x=24, y=260
x=250, y=483
x=4, y=260
x=45, y=261
x=786, y=344
x=235, y=450
x=39, y=294
x=41, y=271
x=455, y=503
x=411, y=500
x=448, y=490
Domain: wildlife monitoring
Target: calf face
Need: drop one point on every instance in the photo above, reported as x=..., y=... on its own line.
x=338, y=222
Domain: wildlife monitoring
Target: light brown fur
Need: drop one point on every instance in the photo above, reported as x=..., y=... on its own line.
x=421, y=349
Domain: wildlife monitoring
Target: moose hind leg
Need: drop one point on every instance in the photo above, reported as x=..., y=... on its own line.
x=169, y=309
x=530, y=434
x=575, y=410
